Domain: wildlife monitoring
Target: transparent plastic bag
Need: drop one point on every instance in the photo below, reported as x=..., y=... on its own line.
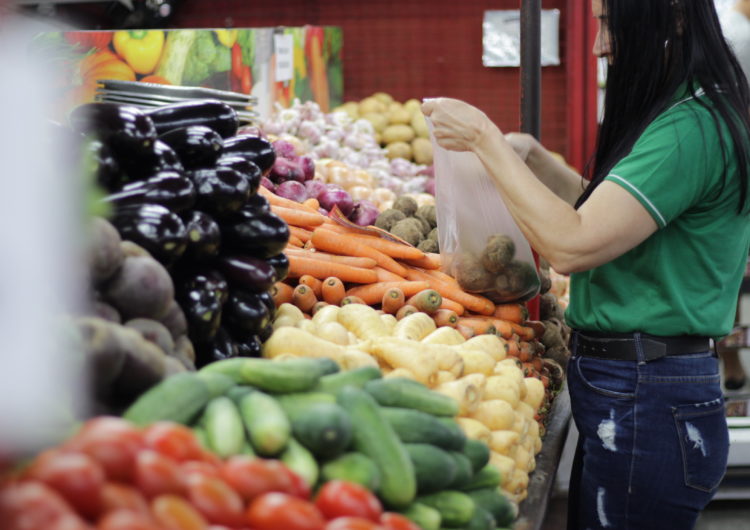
x=480, y=244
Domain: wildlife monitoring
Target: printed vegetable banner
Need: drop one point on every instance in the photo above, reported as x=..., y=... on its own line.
x=246, y=60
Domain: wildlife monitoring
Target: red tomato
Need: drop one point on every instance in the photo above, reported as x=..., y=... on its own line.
x=173, y=440
x=113, y=442
x=273, y=511
x=352, y=523
x=175, y=513
x=217, y=502
x=396, y=521
x=121, y=497
x=339, y=498
x=77, y=477
x=300, y=488
x=32, y=505
x=127, y=520
x=251, y=476
x=195, y=468
x=156, y=474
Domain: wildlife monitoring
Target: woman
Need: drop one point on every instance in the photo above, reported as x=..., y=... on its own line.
x=656, y=245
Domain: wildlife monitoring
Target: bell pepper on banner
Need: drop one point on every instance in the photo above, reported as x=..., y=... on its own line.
x=141, y=49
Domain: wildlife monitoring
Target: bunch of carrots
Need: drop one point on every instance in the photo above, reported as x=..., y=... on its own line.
x=334, y=264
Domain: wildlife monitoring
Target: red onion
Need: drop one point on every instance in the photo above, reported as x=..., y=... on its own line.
x=284, y=169
x=266, y=183
x=335, y=196
x=293, y=190
x=308, y=167
x=365, y=213
x=284, y=149
x=315, y=188
x=429, y=171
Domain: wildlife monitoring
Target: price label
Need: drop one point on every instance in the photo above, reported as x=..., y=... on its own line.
x=284, y=47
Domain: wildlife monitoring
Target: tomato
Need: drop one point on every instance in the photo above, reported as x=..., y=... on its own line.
x=32, y=505
x=236, y=60
x=195, y=468
x=339, y=498
x=272, y=511
x=396, y=521
x=300, y=488
x=127, y=520
x=352, y=523
x=217, y=502
x=112, y=442
x=77, y=477
x=175, y=513
x=173, y=440
x=251, y=476
x=121, y=497
x=156, y=474
x=246, y=80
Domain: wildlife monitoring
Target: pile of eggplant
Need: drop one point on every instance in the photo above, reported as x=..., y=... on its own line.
x=182, y=184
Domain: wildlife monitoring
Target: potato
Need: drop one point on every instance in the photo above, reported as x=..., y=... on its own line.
x=351, y=108
x=104, y=253
x=398, y=116
x=398, y=133
x=422, y=149
x=383, y=97
x=379, y=121
x=419, y=125
x=153, y=331
x=413, y=105
x=371, y=105
x=142, y=287
x=398, y=150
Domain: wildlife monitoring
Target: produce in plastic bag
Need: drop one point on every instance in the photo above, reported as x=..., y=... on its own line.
x=480, y=244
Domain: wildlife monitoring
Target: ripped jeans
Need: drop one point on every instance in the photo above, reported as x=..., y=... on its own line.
x=653, y=441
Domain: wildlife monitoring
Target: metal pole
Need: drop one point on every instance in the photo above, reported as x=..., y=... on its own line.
x=531, y=66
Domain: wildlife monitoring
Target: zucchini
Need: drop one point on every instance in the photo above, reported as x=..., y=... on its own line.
x=478, y=454
x=352, y=467
x=301, y=461
x=423, y=516
x=482, y=520
x=358, y=377
x=237, y=392
x=267, y=425
x=456, y=508
x=298, y=403
x=402, y=392
x=217, y=384
x=504, y=511
x=325, y=430
x=294, y=375
x=179, y=398
x=225, y=432
x=464, y=471
x=434, y=468
x=487, y=477
x=413, y=426
x=374, y=437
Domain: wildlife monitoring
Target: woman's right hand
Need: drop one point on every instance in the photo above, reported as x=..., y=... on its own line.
x=523, y=144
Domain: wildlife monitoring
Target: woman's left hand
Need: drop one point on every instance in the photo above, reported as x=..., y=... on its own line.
x=458, y=126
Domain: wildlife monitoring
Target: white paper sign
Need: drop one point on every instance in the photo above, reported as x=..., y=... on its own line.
x=501, y=37
x=284, y=47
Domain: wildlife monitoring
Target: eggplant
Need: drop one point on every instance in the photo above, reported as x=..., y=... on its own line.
x=204, y=236
x=256, y=204
x=257, y=150
x=267, y=299
x=280, y=263
x=143, y=162
x=121, y=126
x=107, y=171
x=210, y=113
x=201, y=295
x=221, y=191
x=197, y=146
x=248, y=347
x=219, y=348
x=244, y=167
x=155, y=228
x=265, y=333
x=245, y=312
x=169, y=189
x=261, y=235
x=247, y=272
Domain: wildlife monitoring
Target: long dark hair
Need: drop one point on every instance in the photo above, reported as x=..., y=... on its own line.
x=656, y=46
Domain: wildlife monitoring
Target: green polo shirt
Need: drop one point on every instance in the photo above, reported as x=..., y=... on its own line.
x=685, y=278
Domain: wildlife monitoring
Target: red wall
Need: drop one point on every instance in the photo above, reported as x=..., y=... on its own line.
x=410, y=49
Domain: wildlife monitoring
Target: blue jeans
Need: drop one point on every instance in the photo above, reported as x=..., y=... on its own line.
x=653, y=441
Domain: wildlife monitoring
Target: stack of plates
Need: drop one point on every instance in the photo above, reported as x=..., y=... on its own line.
x=150, y=95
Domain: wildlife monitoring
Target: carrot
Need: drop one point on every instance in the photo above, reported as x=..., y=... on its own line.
x=537, y=326
x=333, y=290
x=430, y=261
x=405, y=311
x=300, y=233
x=390, y=248
x=312, y=202
x=512, y=312
x=513, y=348
x=481, y=326
x=428, y=301
x=304, y=298
x=276, y=200
x=525, y=353
x=440, y=275
x=453, y=306
x=299, y=266
x=352, y=300
x=362, y=263
x=524, y=332
x=295, y=242
x=445, y=317
x=373, y=294
x=393, y=300
x=351, y=246
x=466, y=331
x=281, y=293
x=387, y=276
x=313, y=283
x=298, y=217
x=475, y=303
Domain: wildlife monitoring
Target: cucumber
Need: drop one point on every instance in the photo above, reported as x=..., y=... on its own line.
x=414, y=426
x=402, y=392
x=456, y=508
x=358, y=377
x=325, y=430
x=374, y=437
x=487, y=477
x=301, y=461
x=423, y=516
x=434, y=468
x=452, y=425
x=463, y=470
x=294, y=375
x=217, y=384
x=352, y=467
x=225, y=432
x=237, y=392
x=482, y=520
x=267, y=425
x=298, y=403
x=247, y=449
x=478, y=454
x=179, y=398
x=504, y=511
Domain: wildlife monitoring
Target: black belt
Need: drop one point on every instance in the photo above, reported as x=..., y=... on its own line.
x=622, y=346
